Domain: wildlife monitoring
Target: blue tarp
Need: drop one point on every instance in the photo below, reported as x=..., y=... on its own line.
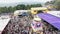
x=53, y=20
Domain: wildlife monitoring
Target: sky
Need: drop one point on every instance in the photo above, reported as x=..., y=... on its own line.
x=28, y=1
x=15, y=2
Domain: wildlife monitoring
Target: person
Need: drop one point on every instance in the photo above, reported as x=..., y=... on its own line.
x=37, y=25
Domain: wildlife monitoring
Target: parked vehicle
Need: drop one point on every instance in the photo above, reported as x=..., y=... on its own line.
x=37, y=10
x=21, y=13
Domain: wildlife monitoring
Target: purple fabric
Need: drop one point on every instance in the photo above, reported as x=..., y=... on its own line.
x=53, y=20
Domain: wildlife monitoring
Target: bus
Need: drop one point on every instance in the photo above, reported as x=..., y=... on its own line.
x=37, y=10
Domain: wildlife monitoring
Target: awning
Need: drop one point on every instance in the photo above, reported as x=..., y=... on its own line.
x=53, y=20
x=3, y=22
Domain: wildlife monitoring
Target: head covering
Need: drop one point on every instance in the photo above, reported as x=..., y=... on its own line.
x=37, y=19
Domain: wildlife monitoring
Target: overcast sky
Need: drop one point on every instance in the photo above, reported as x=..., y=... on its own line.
x=15, y=1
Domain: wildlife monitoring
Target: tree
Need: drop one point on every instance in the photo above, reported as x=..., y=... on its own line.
x=3, y=9
x=57, y=4
x=10, y=9
x=20, y=7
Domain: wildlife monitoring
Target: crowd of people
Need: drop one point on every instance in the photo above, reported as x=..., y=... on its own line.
x=22, y=26
x=18, y=25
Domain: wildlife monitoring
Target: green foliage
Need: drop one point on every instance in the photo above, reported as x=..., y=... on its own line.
x=18, y=7
x=56, y=4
